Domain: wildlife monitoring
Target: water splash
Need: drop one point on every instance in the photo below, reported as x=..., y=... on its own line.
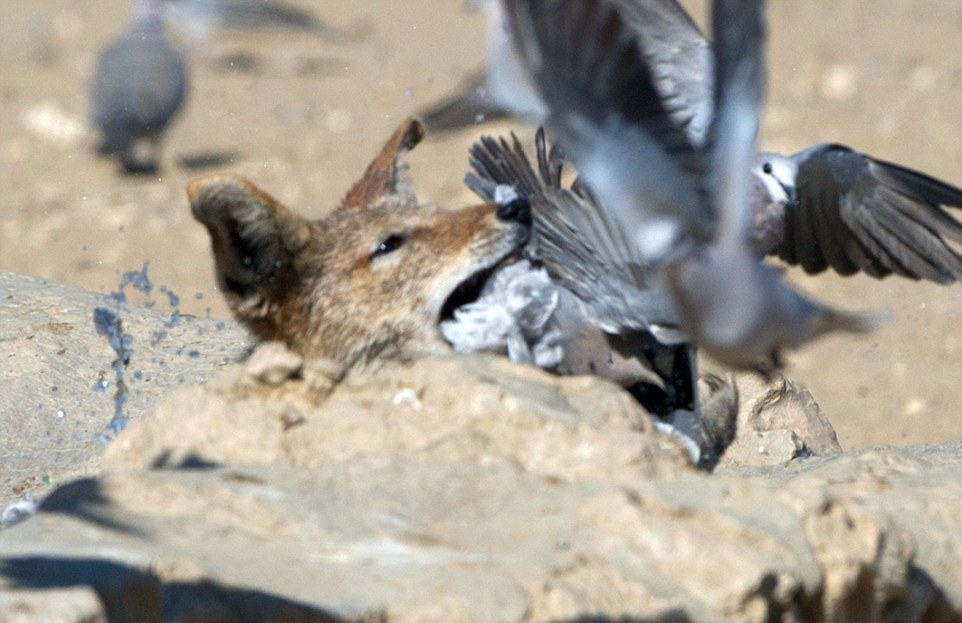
x=109, y=324
x=172, y=298
x=157, y=337
x=137, y=279
x=174, y=320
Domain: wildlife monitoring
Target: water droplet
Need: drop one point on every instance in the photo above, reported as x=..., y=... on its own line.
x=174, y=320
x=157, y=337
x=172, y=298
x=61, y=414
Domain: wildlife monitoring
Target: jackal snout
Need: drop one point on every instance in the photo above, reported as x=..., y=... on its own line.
x=373, y=278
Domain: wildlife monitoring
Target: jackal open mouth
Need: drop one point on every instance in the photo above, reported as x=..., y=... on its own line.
x=470, y=290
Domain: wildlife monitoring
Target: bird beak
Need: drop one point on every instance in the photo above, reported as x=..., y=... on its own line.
x=792, y=193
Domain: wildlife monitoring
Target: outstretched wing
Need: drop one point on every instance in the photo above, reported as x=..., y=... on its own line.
x=670, y=42
x=588, y=63
x=580, y=245
x=679, y=59
x=856, y=213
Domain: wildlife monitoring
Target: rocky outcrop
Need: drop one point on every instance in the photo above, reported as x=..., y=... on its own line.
x=65, y=383
x=472, y=489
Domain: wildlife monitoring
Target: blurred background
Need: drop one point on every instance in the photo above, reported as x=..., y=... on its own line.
x=299, y=98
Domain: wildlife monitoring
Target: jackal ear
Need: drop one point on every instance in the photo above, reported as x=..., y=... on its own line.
x=255, y=238
x=388, y=174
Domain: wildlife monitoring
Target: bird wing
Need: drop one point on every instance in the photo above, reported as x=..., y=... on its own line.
x=674, y=48
x=856, y=213
x=604, y=107
x=257, y=14
x=680, y=60
x=583, y=249
x=471, y=104
x=739, y=31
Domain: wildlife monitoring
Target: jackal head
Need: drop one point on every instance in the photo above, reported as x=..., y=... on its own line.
x=372, y=279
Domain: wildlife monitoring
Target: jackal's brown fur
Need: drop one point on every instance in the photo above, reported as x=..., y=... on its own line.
x=367, y=281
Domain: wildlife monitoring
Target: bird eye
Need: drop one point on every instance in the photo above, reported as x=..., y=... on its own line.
x=389, y=244
x=767, y=168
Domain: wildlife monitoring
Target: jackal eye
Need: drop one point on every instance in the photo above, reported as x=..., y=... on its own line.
x=391, y=243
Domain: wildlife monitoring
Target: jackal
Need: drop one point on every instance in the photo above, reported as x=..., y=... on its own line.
x=371, y=280
x=383, y=277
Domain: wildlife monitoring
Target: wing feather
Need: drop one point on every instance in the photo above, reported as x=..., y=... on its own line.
x=585, y=250
x=856, y=213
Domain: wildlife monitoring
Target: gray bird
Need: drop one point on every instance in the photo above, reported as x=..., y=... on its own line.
x=524, y=313
x=825, y=207
x=675, y=212
x=138, y=87
x=202, y=17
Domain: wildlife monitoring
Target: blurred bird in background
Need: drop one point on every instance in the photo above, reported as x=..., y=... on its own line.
x=138, y=87
x=200, y=18
x=141, y=79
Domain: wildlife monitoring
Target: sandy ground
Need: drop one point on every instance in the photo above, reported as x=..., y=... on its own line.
x=303, y=116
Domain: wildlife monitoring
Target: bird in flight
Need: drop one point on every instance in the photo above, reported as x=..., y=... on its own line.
x=662, y=126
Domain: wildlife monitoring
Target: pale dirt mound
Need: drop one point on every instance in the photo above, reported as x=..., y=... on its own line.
x=473, y=489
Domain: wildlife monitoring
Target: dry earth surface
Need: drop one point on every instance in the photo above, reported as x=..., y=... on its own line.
x=474, y=489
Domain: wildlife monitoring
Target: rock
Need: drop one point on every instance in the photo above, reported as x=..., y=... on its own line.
x=777, y=421
x=60, y=389
x=454, y=408
x=473, y=489
x=272, y=364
